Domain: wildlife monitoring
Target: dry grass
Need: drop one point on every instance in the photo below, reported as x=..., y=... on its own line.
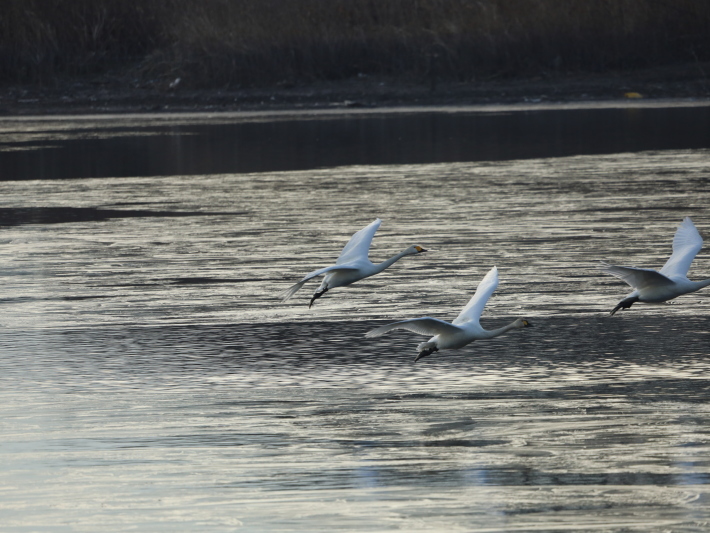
x=254, y=42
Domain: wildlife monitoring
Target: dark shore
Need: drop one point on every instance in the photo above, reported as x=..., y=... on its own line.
x=107, y=94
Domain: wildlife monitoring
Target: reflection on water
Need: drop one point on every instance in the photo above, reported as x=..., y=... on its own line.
x=342, y=434
x=13, y=216
x=124, y=147
x=242, y=238
x=151, y=380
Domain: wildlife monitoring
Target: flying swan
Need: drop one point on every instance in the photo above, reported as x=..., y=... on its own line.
x=672, y=281
x=352, y=265
x=465, y=329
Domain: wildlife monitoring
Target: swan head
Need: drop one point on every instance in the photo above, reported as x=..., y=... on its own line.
x=522, y=323
x=416, y=249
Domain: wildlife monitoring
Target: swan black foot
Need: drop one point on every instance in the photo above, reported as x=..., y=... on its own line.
x=316, y=296
x=426, y=352
x=624, y=304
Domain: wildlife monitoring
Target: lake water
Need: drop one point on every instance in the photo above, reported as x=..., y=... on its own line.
x=151, y=380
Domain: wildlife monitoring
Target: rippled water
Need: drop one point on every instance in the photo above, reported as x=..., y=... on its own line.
x=151, y=380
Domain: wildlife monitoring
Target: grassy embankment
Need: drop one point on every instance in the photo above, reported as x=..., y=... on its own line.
x=243, y=43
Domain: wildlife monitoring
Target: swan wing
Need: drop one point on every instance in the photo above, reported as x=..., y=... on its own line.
x=638, y=278
x=686, y=244
x=358, y=246
x=474, y=308
x=423, y=326
x=293, y=289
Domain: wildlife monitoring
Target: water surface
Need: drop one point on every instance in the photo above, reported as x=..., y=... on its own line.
x=151, y=380
x=168, y=145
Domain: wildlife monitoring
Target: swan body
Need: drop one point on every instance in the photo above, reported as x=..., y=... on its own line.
x=465, y=329
x=352, y=265
x=672, y=280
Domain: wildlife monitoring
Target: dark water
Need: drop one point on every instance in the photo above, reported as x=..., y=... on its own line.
x=151, y=380
x=112, y=148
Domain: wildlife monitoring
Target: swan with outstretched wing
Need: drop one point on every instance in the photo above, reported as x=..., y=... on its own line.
x=352, y=265
x=672, y=281
x=465, y=329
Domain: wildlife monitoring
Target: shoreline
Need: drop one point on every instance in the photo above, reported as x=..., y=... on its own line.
x=113, y=97
x=207, y=115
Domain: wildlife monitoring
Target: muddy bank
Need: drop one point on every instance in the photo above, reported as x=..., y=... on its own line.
x=110, y=94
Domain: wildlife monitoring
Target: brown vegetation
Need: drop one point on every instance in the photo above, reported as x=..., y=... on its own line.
x=246, y=43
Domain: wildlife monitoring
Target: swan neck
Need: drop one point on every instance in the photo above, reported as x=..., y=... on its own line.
x=495, y=332
x=389, y=262
x=702, y=283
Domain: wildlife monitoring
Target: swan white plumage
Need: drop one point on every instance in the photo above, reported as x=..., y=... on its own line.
x=672, y=281
x=352, y=265
x=465, y=329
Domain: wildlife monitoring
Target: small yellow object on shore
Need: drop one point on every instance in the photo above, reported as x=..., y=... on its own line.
x=632, y=95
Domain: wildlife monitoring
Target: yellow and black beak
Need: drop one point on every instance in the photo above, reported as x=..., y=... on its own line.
x=420, y=249
x=527, y=324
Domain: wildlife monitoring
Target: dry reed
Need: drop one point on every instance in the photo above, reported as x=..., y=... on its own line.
x=254, y=42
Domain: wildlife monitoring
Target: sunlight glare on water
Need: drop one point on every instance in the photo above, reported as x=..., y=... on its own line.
x=151, y=379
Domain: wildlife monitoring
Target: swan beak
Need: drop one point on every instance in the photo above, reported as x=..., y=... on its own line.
x=527, y=324
x=420, y=249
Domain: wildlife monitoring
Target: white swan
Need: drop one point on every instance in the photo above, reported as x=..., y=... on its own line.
x=672, y=280
x=465, y=329
x=352, y=264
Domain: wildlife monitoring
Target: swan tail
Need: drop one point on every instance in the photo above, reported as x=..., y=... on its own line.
x=293, y=289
